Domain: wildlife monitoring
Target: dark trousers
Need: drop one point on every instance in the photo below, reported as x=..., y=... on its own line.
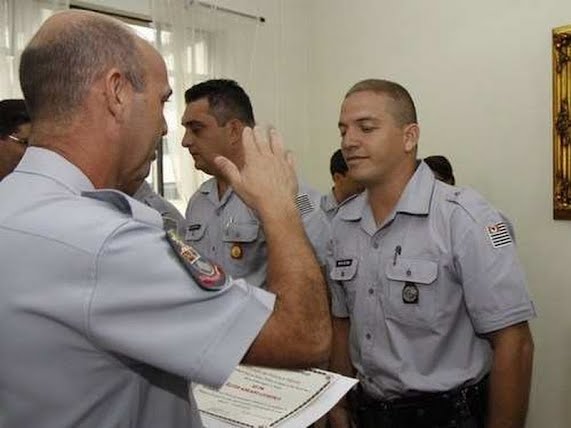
x=461, y=408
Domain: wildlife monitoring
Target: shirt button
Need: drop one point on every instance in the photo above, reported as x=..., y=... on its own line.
x=368, y=336
x=375, y=245
x=371, y=291
x=213, y=248
x=369, y=379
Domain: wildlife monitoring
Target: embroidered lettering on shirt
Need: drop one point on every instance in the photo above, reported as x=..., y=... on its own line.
x=343, y=263
x=499, y=235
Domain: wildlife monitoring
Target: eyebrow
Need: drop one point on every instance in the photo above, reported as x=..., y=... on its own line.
x=191, y=122
x=360, y=120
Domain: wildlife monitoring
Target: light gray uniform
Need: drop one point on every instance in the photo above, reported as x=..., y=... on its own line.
x=152, y=199
x=101, y=325
x=420, y=289
x=329, y=205
x=227, y=231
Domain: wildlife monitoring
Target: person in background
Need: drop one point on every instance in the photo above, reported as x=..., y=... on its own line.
x=441, y=168
x=343, y=185
x=219, y=223
x=105, y=317
x=14, y=134
x=429, y=299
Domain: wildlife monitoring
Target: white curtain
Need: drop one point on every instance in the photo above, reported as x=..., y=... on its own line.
x=19, y=20
x=198, y=42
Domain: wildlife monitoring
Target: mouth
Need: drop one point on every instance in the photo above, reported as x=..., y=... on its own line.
x=353, y=159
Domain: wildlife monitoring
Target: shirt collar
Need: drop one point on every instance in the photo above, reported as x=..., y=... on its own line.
x=210, y=189
x=418, y=192
x=329, y=202
x=40, y=161
x=415, y=198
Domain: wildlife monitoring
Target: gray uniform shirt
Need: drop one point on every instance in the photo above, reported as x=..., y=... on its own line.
x=100, y=323
x=152, y=199
x=420, y=289
x=329, y=205
x=228, y=231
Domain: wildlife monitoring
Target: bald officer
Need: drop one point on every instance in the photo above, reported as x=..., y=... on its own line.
x=104, y=317
x=218, y=221
x=429, y=299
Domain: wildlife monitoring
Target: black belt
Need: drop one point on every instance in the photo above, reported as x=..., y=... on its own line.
x=426, y=409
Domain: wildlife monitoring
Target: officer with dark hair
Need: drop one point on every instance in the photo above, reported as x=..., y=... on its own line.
x=343, y=185
x=14, y=133
x=441, y=168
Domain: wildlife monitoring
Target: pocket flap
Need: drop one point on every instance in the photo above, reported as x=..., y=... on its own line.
x=194, y=231
x=344, y=269
x=241, y=232
x=413, y=270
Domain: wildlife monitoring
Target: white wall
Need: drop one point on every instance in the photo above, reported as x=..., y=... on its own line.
x=480, y=73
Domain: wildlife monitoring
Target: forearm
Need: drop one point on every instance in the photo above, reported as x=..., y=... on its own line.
x=510, y=379
x=301, y=316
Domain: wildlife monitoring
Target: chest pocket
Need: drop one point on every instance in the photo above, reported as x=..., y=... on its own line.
x=245, y=251
x=344, y=272
x=195, y=232
x=410, y=296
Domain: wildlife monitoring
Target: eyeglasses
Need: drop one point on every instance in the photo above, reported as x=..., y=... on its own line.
x=18, y=140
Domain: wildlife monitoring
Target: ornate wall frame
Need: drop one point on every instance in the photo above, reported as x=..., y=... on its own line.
x=561, y=123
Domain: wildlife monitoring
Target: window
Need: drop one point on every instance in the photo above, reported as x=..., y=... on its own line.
x=197, y=63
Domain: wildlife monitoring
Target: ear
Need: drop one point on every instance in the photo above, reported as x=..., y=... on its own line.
x=411, y=134
x=235, y=129
x=117, y=93
x=337, y=176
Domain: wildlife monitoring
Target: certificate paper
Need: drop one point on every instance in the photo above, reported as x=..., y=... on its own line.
x=260, y=397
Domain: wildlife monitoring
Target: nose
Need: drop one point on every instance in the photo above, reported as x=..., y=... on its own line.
x=186, y=140
x=349, y=141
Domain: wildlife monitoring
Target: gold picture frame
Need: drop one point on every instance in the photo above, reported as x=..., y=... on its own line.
x=561, y=123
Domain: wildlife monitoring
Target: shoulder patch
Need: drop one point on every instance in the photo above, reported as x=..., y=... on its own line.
x=304, y=204
x=499, y=234
x=209, y=276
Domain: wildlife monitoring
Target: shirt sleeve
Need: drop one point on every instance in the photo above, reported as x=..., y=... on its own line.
x=145, y=305
x=315, y=222
x=339, y=307
x=490, y=271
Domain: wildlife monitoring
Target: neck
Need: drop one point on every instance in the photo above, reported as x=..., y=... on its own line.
x=338, y=195
x=95, y=161
x=384, y=196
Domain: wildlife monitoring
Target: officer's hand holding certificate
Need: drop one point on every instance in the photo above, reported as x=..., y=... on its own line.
x=260, y=397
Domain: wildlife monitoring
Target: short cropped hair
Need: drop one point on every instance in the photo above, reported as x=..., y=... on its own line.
x=226, y=99
x=13, y=113
x=57, y=70
x=402, y=108
x=337, y=163
x=441, y=167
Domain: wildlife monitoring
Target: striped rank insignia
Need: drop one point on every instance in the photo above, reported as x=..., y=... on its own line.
x=303, y=204
x=499, y=235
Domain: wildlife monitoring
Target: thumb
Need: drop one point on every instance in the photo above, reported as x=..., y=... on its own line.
x=228, y=170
